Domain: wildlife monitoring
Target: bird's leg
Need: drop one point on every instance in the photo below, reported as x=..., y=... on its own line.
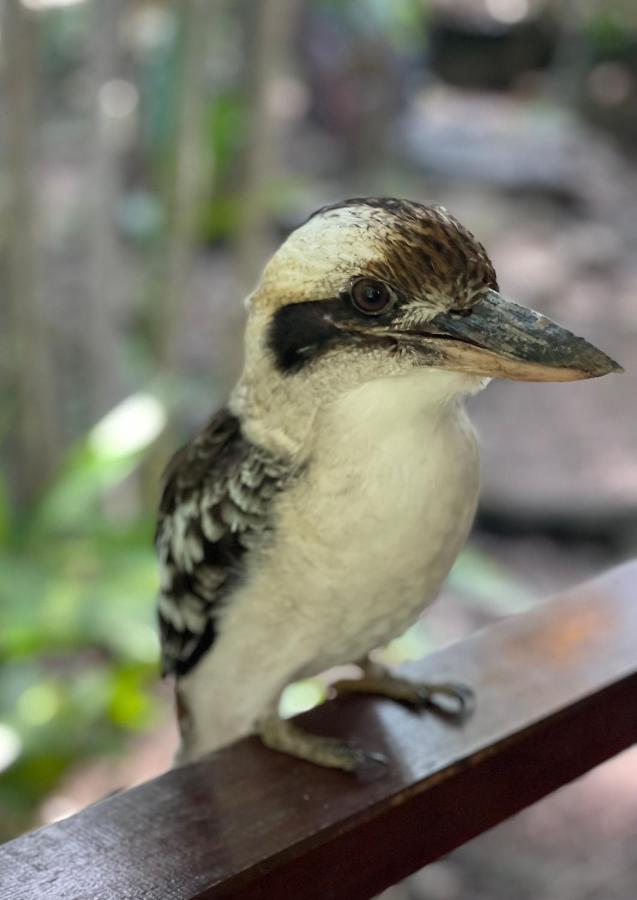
x=447, y=697
x=286, y=737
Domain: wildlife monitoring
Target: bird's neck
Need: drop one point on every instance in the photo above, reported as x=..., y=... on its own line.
x=286, y=413
x=277, y=410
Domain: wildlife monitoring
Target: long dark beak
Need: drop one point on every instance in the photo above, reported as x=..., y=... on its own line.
x=501, y=339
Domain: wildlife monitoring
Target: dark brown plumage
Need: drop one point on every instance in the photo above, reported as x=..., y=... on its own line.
x=425, y=246
x=214, y=507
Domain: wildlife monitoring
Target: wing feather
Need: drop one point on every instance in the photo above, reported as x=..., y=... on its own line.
x=215, y=507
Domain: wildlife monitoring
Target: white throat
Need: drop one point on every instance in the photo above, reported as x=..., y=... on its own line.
x=279, y=411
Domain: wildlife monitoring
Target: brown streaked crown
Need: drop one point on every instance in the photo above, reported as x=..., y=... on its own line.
x=425, y=248
x=422, y=251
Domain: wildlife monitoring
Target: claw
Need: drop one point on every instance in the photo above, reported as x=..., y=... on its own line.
x=287, y=737
x=370, y=766
x=449, y=699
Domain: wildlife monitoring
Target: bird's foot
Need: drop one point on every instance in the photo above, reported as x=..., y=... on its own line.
x=448, y=698
x=282, y=735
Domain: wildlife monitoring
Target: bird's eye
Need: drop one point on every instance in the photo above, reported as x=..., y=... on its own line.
x=371, y=297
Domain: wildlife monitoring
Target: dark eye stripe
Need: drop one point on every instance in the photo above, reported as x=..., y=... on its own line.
x=299, y=332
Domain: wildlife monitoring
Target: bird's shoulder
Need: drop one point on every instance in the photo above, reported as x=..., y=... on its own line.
x=215, y=507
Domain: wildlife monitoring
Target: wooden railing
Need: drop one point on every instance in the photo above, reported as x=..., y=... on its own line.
x=557, y=694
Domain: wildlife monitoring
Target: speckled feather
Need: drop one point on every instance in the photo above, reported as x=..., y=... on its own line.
x=214, y=507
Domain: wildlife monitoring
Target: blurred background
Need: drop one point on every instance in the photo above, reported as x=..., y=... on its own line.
x=152, y=154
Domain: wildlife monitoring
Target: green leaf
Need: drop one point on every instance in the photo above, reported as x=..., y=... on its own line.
x=110, y=453
x=487, y=584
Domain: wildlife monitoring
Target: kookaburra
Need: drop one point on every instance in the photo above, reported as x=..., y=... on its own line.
x=319, y=512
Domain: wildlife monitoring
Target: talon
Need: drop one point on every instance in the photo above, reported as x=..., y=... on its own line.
x=459, y=699
x=447, y=698
x=371, y=766
x=286, y=737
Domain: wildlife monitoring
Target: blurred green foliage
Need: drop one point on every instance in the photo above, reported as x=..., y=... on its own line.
x=609, y=32
x=78, y=642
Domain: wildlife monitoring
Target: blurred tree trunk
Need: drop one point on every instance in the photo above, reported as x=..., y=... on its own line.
x=104, y=270
x=182, y=194
x=36, y=435
x=182, y=184
x=268, y=28
x=573, y=51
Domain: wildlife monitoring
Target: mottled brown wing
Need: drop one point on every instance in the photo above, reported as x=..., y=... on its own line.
x=215, y=507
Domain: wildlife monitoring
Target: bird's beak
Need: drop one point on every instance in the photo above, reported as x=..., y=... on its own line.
x=501, y=339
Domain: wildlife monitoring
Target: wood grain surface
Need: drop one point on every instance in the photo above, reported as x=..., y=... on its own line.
x=557, y=694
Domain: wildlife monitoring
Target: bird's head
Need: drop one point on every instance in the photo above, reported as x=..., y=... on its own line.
x=402, y=286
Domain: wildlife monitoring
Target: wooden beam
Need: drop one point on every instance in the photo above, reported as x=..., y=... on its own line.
x=557, y=694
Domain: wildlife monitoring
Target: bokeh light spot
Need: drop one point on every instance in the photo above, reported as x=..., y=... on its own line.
x=128, y=428
x=301, y=696
x=39, y=5
x=610, y=84
x=118, y=98
x=508, y=11
x=38, y=704
x=10, y=746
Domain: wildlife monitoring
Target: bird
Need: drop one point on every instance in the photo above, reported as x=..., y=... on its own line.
x=318, y=513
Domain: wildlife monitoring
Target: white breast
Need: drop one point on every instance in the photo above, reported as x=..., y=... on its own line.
x=370, y=533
